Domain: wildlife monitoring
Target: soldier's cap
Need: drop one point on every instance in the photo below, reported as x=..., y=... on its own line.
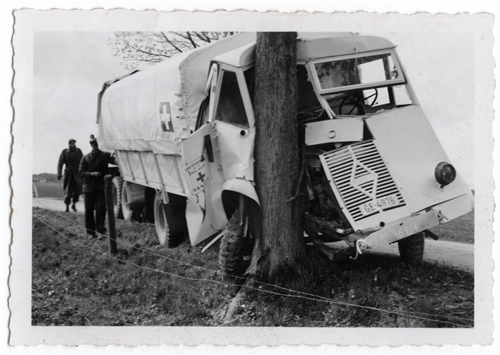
x=71, y=141
x=92, y=139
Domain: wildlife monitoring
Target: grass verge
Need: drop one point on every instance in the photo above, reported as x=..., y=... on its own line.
x=50, y=190
x=76, y=282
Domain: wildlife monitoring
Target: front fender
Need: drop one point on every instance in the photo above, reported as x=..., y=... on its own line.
x=232, y=190
x=243, y=187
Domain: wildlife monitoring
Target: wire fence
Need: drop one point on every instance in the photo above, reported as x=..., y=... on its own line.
x=271, y=289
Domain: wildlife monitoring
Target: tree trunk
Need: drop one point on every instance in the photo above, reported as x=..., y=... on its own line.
x=277, y=163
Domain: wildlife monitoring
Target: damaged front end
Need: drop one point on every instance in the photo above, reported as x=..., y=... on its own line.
x=376, y=171
x=383, y=186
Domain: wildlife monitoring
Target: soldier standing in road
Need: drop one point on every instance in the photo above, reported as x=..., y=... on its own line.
x=93, y=167
x=70, y=157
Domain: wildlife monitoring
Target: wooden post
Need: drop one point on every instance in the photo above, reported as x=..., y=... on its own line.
x=35, y=189
x=108, y=190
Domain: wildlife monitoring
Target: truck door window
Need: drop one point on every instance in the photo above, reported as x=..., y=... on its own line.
x=202, y=117
x=230, y=106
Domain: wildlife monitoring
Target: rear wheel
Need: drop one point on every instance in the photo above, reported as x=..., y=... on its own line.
x=235, y=249
x=117, y=197
x=149, y=208
x=411, y=249
x=132, y=201
x=165, y=231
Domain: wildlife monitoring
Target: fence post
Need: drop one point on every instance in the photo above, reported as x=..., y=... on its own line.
x=108, y=190
x=35, y=189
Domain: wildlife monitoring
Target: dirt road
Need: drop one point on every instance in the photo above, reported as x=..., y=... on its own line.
x=56, y=205
x=448, y=253
x=443, y=252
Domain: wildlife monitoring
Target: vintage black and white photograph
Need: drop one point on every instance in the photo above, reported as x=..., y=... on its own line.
x=269, y=178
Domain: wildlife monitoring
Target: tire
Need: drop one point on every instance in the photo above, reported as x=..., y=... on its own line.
x=411, y=249
x=232, y=245
x=132, y=201
x=149, y=205
x=166, y=235
x=117, y=197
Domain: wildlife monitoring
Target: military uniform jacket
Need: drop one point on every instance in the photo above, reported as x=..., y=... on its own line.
x=71, y=159
x=91, y=163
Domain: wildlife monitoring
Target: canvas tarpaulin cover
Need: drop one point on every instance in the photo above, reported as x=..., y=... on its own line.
x=155, y=108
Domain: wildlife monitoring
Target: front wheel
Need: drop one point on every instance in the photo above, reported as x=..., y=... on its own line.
x=235, y=250
x=411, y=249
x=165, y=231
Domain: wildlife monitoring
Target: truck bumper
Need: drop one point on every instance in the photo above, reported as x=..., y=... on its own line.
x=406, y=227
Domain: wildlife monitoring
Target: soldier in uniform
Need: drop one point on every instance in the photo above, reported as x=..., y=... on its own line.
x=93, y=167
x=70, y=157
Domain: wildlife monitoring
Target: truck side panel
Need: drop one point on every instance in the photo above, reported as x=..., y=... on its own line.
x=152, y=170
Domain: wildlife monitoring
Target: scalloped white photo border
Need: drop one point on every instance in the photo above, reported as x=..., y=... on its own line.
x=29, y=21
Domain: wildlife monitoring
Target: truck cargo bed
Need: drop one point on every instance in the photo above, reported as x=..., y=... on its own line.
x=158, y=171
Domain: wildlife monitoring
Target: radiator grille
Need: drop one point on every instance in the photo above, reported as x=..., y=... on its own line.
x=360, y=176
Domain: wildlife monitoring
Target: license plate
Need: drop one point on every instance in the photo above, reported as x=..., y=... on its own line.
x=379, y=204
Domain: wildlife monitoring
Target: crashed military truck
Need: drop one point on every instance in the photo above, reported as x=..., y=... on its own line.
x=183, y=133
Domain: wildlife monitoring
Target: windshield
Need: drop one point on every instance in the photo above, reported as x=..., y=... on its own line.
x=335, y=75
x=362, y=84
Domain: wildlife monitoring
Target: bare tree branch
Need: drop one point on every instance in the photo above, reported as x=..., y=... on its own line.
x=203, y=36
x=171, y=43
x=152, y=47
x=146, y=52
x=187, y=36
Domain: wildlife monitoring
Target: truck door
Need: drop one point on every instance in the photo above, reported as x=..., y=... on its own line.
x=204, y=212
x=233, y=122
x=221, y=149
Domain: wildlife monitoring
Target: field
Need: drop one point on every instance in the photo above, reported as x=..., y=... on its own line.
x=50, y=190
x=458, y=230
x=76, y=282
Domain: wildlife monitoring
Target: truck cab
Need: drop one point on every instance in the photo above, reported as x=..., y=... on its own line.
x=376, y=170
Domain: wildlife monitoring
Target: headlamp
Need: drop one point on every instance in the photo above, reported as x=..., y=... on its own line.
x=445, y=173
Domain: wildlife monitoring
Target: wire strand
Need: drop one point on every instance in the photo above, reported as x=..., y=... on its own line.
x=313, y=298
x=306, y=294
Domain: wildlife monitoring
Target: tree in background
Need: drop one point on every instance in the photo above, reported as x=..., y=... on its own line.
x=153, y=47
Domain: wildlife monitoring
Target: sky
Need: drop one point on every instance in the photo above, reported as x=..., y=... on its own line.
x=69, y=71
x=71, y=66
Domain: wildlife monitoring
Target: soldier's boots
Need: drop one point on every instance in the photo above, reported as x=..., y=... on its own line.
x=73, y=207
x=67, y=208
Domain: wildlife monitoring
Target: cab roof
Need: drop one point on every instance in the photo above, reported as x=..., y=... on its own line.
x=313, y=46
